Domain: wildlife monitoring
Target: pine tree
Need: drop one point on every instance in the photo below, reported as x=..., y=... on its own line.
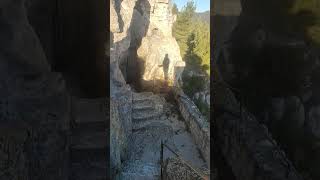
x=175, y=10
x=183, y=26
x=202, y=47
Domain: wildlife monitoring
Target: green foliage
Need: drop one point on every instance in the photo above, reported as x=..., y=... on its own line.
x=192, y=84
x=202, y=46
x=175, y=9
x=203, y=108
x=193, y=37
x=183, y=26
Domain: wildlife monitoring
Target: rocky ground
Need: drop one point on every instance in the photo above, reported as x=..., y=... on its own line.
x=155, y=120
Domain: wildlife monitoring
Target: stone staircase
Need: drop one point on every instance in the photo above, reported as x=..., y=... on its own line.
x=148, y=131
x=88, y=149
x=147, y=108
x=155, y=120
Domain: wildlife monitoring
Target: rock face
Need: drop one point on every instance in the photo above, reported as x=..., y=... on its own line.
x=142, y=36
x=225, y=18
x=117, y=135
x=197, y=124
x=159, y=43
x=120, y=93
x=246, y=144
x=287, y=102
x=88, y=135
x=176, y=169
x=34, y=104
x=139, y=121
x=155, y=121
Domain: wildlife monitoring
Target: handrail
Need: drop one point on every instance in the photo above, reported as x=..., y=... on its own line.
x=179, y=156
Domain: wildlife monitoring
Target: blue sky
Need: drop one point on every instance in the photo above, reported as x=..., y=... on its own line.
x=202, y=5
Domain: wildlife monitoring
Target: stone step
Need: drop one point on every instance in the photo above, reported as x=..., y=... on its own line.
x=142, y=111
x=134, y=176
x=142, y=95
x=147, y=124
x=89, y=127
x=137, y=170
x=89, y=110
x=91, y=140
x=88, y=155
x=145, y=107
x=144, y=102
x=138, y=101
x=145, y=143
x=89, y=171
x=142, y=115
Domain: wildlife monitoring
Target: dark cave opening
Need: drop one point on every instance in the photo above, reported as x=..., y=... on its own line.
x=131, y=66
x=73, y=36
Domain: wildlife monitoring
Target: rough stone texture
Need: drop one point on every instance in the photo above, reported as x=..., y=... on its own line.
x=34, y=104
x=154, y=121
x=141, y=120
x=13, y=160
x=225, y=18
x=153, y=50
x=247, y=145
x=158, y=42
x=120, y=41
x=174, y=168
x=116, y=139
x=290, y=115
x=145, y=139
x=121, y=13
x=120, y=93
x=196, y=123
x=150, y=22
x=88, y=144
x=42, y=18
x=121, y=103
x=313, y=123
x=121, y=127
x=19, y=35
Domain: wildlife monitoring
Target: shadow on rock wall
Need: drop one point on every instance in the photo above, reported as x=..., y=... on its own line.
x=132, y=67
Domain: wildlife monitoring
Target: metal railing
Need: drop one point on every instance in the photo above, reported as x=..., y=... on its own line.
x=163, y=145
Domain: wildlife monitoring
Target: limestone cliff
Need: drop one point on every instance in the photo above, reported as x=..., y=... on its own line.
x=136, y=24
x=34, y=109
x=274, y=70
x=159, y=44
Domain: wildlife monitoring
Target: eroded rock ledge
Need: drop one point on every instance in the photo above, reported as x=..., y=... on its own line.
x=246, y=144
x=196, y=123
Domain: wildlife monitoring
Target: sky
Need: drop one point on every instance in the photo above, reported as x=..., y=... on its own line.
x=202, y=5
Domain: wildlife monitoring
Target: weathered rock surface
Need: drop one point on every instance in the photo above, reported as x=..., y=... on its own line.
x=121, y=13
x=199, y=127
x=288, y=106
x=225, y=18
x=34, y=103
x=159, y=42
x=174, y=168
x=156, y=121
x=88, y=144
x=140, y=121
x=246, y=144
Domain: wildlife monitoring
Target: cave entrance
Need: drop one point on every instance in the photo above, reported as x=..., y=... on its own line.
x=133, y=68
x=73, y=35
